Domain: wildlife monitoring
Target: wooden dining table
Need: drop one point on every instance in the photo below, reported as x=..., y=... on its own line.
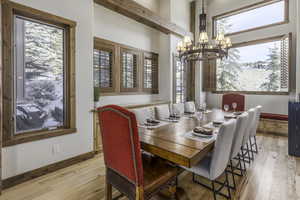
x=170, y=143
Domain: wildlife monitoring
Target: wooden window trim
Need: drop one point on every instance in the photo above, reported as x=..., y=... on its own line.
x=113, y=49
x=9, y=9
x=252, y=7
x=154, y=58
x=118, y=90
x=260, y=41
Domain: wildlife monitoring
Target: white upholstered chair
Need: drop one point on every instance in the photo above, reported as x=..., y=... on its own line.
x=241, y=125
x=189, y=107
x=212, y=167
x=178, y=108
x=253, y=132
x=162, y=111
x=142, y=114
x=245, y=144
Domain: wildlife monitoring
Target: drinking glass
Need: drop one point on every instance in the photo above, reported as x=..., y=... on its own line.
x=234, y=106
x=204, y=106
x=226, y=108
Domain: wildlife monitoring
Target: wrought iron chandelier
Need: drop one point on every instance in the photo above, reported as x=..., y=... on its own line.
x=203, y=49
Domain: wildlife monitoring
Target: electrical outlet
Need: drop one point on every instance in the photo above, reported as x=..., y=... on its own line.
x=55, y=149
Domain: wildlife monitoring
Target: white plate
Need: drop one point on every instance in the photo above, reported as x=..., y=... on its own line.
x=201, y=135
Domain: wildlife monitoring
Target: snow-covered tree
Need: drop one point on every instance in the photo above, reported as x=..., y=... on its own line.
x=228, y=69
x=272, y=82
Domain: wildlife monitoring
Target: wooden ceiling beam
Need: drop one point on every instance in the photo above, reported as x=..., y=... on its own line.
x=143, y=15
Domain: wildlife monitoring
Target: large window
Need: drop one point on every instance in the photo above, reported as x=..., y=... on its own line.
x=259, y=66
x=252, y=17
x=38, y=98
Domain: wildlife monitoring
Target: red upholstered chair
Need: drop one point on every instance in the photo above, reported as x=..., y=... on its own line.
x=230, y=98
x=128, y=170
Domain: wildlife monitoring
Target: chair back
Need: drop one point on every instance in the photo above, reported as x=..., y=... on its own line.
x=142, y=114
x=250, y=124
x=241, y=125
x=121, y=145
x=222, y=149
x=162, y=111
x=230, y=98
x=178, y=108
x=256, y=121
x=190, y=107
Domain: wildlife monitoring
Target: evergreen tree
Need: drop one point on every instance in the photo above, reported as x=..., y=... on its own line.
x=227, y=72
x=228, y=68
x=272, y=83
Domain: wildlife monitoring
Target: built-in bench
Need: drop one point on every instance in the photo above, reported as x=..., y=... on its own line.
x=273, y=123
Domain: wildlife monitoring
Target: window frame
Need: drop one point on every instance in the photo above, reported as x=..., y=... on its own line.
x=9, y=10
x=260, y=41
x=155, y=81
x=248, y=8
x=110, y=48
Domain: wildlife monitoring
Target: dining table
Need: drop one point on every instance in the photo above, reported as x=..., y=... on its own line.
x=171, y=143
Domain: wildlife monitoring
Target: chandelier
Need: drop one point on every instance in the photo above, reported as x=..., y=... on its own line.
x=204, y=49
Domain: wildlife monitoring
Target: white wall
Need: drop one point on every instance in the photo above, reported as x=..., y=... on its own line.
x=298, y=49
x=25, y=157
x=112, y=26
x=271, y=103
x=135, y=34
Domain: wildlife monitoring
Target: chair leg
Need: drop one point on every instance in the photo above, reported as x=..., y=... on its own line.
x=108, y=191
x=214, y=190
x=251, y=149
x=228, y=187
x=255, y=142
x=248, y=152
x=232, y=170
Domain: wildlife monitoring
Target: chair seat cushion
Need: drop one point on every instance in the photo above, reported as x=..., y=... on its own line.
x=274, y=116
x=202, y=168
x=156, y=173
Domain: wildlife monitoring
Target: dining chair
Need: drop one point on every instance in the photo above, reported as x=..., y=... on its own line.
x=213, y=166
x=142, y=114
x=230, y=98
x=190, y=107
x=241, y=125
x=253, y=142
x=245, y=150
x=178, y=108
x=135, y=175
x=162, y=111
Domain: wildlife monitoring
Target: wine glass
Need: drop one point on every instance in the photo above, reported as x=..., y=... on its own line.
x=234, y=106
x=204, y=106
x=226, y=108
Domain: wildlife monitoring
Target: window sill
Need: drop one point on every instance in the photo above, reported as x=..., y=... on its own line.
x=253, y=93
x=35, y=136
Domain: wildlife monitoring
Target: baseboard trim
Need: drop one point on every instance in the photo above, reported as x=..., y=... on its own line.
x=21, y=178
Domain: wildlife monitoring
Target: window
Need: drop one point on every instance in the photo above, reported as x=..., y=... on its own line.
x=123, y=70
x=150, y=73
x=40, y=96
x=104, y=65
x=129, y=70
x=180, y=81
x=252, y=17
x=259, y=66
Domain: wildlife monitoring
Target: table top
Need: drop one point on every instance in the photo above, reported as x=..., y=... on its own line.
x=169, y=142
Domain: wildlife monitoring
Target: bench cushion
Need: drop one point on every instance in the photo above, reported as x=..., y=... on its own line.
x=274, y=116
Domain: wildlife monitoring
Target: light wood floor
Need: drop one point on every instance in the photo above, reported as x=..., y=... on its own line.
x=273, y=176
